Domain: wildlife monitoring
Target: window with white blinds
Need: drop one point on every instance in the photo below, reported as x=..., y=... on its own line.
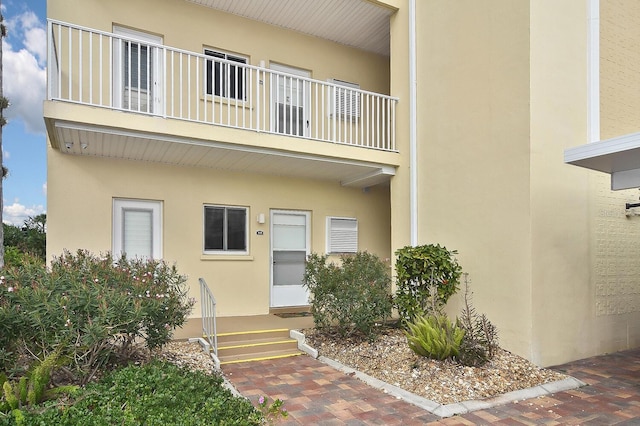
x=136, y=228
x=342, y=235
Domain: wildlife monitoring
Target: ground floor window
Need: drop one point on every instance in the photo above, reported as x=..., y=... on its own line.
x=137, y=228
x=225, y=229
x=342, y=235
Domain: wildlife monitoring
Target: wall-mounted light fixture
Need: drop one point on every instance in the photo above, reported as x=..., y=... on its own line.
x=260, y=218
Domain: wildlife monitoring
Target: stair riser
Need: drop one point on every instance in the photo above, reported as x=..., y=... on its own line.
x=248, y=336
x=256, y=357
x=258, y=349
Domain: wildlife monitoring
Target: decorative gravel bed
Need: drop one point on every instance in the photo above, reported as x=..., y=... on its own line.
x=389, y=359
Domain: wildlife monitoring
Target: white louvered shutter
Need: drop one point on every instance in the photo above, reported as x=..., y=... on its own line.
x=342, y=235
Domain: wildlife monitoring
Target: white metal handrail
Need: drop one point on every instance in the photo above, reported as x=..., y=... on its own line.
x=108, y=70
x=208, y=306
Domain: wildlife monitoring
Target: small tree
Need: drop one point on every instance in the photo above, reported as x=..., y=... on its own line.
x=418, y=269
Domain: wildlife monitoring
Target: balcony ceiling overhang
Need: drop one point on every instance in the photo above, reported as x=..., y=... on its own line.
x=619, y=157
x=117, y=143
x=363, y=24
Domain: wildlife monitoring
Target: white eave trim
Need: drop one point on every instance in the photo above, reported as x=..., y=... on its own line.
x=619, y=157
x=608, y=156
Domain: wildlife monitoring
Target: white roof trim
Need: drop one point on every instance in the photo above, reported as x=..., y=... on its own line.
x=608, y=156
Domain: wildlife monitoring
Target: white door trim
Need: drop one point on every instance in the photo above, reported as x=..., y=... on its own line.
x=157, y=67
x=288, y=295
x=306, y=97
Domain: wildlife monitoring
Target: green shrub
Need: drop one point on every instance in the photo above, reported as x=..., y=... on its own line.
x=434, y=336
x=352, y=297
x=480, y=341
x=158, y=393
x=418, y=268
x=93, y=307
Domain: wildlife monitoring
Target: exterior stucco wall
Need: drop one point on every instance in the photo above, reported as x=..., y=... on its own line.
x=473, y=152
x=561, y=293
x=186, y=25
x=81, y=192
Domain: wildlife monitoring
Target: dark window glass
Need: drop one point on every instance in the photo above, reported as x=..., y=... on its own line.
x=136, y=63
x=224, y=79
x=225, y=228
x=236, y=229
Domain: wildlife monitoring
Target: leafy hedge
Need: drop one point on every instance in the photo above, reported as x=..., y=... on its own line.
x=353, y=297
x=158, y=393
x=94, y=307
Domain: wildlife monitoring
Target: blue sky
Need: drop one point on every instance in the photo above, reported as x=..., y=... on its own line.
x=24, y=83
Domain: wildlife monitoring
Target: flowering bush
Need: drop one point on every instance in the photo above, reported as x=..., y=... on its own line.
x=96, y=307
x=271, y=413
x=353, y=297
x=417, y=269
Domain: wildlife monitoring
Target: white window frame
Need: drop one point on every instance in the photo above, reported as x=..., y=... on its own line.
x=225, y=251
x=349, y=233
x=233, y=57
x=119, y=206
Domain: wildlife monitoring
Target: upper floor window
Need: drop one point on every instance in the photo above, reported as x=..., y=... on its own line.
x=225, y=229
x=225, y=79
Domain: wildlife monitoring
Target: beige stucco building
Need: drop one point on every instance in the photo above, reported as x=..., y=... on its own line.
x=234, y=138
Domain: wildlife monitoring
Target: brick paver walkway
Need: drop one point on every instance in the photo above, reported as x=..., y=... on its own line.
x=315, y=393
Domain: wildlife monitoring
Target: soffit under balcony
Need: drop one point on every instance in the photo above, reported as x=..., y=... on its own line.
x=363, y=24
x=105, y=142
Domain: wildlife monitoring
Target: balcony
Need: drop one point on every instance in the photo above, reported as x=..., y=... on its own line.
x=114, y=95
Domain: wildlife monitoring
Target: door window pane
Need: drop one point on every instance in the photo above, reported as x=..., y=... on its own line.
x=288, y=267
x=137, y=233
x=137, y=65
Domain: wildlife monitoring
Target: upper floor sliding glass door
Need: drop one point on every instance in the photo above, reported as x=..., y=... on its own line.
x=138, y=69
x=290, y=101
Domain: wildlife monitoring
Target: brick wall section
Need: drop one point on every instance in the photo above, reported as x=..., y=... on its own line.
x=615, y=237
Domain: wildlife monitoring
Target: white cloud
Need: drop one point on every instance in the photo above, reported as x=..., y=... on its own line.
x=44, y=189
x=16, y=213
x=24, y=73
x=35, y=41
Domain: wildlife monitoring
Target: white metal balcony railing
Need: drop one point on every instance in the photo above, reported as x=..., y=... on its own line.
x=107, y=70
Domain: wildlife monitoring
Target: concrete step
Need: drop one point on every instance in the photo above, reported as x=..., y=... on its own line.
x=245, y=346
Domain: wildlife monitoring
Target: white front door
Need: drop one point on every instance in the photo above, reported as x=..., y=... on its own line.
x=290, y=101
x=138, y=71
x=290, y=241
